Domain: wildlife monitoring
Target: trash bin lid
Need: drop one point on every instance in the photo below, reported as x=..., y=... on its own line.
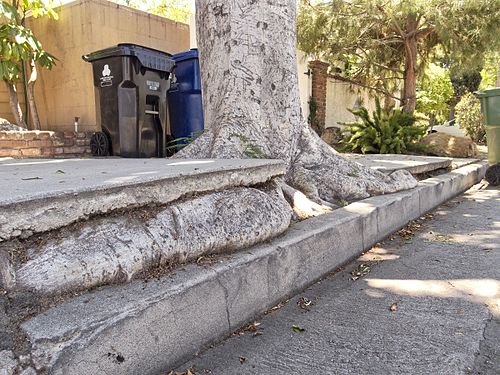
x=148, y=57
x=494, y=91
x=186, y=55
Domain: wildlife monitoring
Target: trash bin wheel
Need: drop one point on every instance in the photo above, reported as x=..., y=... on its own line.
x=99, y=144
x=493, y=175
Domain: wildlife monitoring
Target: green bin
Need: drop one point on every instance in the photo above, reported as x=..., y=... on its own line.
x=490, y=106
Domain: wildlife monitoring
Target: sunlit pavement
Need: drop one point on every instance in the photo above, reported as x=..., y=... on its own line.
x=425, y=301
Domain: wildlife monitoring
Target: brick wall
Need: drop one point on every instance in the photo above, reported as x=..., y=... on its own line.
x=319, y=72
x=37, y=144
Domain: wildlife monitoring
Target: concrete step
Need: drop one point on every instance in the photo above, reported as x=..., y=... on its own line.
x=414, y=164
x=41, y=195
x=147, y=328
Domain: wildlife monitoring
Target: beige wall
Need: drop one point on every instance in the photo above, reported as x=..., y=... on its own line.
x=304, y=82
x=85, y=26
x=4, y=102
x=339, y=97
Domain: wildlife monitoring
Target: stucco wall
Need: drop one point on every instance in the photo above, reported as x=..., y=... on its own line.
x=340, y=96
x=85, y=26
x=304, y=82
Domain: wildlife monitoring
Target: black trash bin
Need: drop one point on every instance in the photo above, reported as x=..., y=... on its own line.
x=131, y=84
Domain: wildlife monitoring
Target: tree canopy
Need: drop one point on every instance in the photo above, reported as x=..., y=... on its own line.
x=177, y=10
x=435, y=90
x=386, y=44
x=18, y=45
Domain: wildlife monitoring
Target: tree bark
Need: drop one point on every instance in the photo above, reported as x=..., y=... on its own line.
x=409, y=99
x=498, y=76
x=31, y=96
x=252, y=108
x=15, y=107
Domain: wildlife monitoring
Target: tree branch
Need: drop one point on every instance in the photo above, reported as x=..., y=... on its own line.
x=395, y=70
x=315, y=8
x=422, y=33
x=344, y=79
x=394, y=22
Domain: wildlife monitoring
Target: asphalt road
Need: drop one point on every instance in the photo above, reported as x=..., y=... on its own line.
x=426, y=301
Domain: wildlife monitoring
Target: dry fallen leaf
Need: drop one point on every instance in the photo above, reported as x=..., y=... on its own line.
x=394, y=307
x=362, y=270
x=277, y=307
x=252, y=327
x=304, y=303
x=187, y=372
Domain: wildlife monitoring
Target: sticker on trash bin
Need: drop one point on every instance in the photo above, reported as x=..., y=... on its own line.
x=107, y=78
x=153, y=85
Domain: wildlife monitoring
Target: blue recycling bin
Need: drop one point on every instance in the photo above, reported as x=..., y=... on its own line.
x=184, y=96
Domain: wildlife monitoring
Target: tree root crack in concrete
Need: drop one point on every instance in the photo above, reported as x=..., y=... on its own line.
x=117, y=249
x=487, y=360
x=226, y=302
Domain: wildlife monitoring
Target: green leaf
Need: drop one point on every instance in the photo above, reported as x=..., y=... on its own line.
x=8, y=12
x=298, y=329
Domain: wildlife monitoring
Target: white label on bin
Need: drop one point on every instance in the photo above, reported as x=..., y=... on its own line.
x=153, y=85
x=106, y=72
x=107, y=78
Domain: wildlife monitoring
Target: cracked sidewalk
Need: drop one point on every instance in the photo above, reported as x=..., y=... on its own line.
x=426, y=306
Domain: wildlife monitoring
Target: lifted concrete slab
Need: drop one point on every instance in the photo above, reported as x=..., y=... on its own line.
x=461, y=162
x=388, y=163
x=40, y=195
x=150, y=328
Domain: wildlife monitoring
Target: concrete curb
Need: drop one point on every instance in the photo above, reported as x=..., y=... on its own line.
x=149, y=328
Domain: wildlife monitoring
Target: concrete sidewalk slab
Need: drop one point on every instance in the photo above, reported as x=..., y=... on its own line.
x=412, y=163
x=155, y=326
x=41, y=195
x=45, y=194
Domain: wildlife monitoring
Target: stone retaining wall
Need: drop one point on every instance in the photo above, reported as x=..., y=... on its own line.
x=35, y=144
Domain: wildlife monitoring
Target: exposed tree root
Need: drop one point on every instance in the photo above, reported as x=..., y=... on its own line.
x=115, y=249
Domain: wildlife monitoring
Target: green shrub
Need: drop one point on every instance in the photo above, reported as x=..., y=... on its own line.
x=387, y=131
x=470, y=118
x=174, y=145
x=434, y=92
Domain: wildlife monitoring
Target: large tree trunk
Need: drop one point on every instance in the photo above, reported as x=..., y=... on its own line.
x=252, y=107
x=498, y=76
x=15, y=108
x=31, y=96
x=409, y=99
